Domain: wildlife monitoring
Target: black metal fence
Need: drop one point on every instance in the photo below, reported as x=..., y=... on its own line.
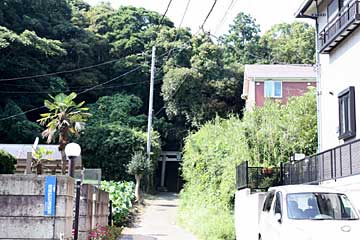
x=338, y=162
x=341, y=161
x=257, y=177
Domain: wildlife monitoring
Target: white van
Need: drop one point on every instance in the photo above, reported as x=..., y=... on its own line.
x=307, y=212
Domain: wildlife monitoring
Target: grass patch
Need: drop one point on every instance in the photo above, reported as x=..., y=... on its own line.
x=206, y=222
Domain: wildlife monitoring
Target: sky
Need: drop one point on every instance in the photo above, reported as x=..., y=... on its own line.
x=266, y=12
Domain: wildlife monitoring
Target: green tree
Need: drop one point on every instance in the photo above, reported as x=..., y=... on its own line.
x=139, y=166
x=18, y=129
x=290, y=43
x=7, y=163
x=242, y=41
x=197, y=93
x=65, y=117
x=111, y=146
x=118, y=108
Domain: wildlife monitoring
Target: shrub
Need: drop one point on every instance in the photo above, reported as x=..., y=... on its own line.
x=105, y=233
x=121, y=194
x=117, y=145
x=7, y=163
x=139, y=166
x=265, y=137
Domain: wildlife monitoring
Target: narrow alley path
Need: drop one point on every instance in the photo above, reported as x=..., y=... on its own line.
x=158, y=222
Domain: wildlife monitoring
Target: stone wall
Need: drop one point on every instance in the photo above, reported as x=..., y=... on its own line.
x=22, y=208
x=94, y=209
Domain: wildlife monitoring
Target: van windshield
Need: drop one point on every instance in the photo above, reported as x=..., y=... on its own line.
x=320, y=206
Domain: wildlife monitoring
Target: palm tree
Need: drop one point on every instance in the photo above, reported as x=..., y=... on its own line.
x=64, y=118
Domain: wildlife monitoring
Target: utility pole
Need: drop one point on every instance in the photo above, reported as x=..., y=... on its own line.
x=151, y=98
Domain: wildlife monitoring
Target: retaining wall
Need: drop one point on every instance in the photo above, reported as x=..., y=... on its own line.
x=22, y=208
x=94, y=209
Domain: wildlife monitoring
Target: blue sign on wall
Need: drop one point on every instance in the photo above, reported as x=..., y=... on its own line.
x=50, y=195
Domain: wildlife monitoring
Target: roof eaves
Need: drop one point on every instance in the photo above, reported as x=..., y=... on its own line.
x=300, y=12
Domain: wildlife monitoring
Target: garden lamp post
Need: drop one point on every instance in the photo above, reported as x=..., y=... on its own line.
x=73, y=151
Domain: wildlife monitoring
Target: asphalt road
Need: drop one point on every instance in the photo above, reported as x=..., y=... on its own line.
x=158, y=222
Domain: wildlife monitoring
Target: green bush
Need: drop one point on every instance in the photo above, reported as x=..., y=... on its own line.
x=265, y=137
x=140, y=164
x=111, y=146
x=7, y=163
x=121, y=194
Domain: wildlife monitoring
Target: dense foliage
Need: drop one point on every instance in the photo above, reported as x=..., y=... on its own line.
x=140, y=164
x=197, y=78
x=114, y=133
x=7, y=163
x=121, y=194
x=265, y=137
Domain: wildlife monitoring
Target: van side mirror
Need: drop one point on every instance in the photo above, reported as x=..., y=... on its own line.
x=278, y=217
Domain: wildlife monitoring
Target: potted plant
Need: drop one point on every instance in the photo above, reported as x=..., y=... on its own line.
x=267, y=171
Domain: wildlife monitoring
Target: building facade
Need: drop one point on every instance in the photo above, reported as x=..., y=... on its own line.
x=338, y=47
x=278, y=82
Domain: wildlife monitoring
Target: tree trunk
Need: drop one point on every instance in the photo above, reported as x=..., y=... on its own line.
x=63, y=140
x=137, y=188
x=63, y=162
x=39, y=169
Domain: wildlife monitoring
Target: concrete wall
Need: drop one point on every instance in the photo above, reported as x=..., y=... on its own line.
x=22, y=208
x=246, y=219
x=94, y=209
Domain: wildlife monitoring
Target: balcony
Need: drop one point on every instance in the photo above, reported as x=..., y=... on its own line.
x=339, y=162
x=340, y=27
x=335, y=163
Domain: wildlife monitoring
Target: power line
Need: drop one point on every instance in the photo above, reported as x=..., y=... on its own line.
x=57, y=73
x=66, y=91
x=111, y=80
x=89, y=89
x=230, y=7
x=208, y=15
x=167, y=9
x=186, y=9
x=19, y=114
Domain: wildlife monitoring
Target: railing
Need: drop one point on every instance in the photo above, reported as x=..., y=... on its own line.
x=334, y=28
x=257, y=177
x=338, y=162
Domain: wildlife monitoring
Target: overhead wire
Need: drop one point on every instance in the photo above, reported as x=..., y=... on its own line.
x=82, y=92
x=208, y=15
x=228, y=10
x=88, y=67
x=73, y=90
x=59, y=72
x=167, y=9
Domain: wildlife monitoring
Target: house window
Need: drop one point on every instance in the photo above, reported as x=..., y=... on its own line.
x=273, y=89
x=332, y=9
x=347, y=125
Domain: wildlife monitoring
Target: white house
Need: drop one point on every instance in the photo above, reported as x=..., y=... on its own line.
x=338, y=48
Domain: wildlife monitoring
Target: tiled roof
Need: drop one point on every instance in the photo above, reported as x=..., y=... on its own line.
x=19, y=151
x=280, y=71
